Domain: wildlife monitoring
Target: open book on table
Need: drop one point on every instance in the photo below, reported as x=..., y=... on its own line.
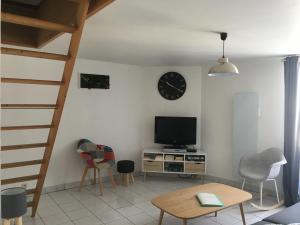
x=209, y=200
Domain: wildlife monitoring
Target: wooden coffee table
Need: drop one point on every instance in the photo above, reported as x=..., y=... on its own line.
x=184, y=205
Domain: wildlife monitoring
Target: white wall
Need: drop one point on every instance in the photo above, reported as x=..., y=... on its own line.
x=111, y=117
x=265, y=77
x=121, y=117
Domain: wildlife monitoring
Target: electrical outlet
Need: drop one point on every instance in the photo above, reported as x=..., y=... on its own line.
x=24, y=185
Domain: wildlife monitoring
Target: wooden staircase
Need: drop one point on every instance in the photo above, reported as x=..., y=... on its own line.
x=37, y=25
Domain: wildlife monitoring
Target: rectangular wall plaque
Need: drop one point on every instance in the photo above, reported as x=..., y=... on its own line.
x=94, y=81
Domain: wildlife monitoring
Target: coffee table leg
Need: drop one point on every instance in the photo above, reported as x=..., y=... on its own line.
x=184, y=221
x=242, y=213
x=216, y=214
x=161, y=217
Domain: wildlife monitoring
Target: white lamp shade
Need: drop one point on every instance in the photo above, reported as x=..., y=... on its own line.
x=223, y=68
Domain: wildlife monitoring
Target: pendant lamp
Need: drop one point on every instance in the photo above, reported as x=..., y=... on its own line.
x=223, y=67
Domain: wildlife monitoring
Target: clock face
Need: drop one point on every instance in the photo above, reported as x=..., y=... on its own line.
x=171, y=85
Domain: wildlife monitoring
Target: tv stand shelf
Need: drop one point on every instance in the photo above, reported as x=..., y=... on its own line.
x=157, y=161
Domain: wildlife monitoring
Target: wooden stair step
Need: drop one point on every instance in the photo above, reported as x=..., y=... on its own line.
x=19, y=179
x=30, y=81
x=28, y=106
x=26, y=127
x=20, y=164
x=35, y=22
x=35, y=54
x=23, y=146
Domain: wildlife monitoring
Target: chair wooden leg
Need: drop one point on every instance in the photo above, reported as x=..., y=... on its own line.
x=111, y=177
x=83, y=177
x=132, y=178
x=95, y=176
x=100, y=182
x=6, y=222
x=19, y=221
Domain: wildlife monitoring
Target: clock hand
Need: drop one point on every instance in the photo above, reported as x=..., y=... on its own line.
x=174, y=87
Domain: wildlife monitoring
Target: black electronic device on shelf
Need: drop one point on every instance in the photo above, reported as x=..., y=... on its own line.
x=195, y=158
x=191, y=150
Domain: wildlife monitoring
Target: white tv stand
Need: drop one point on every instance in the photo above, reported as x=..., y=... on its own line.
x=158, y=161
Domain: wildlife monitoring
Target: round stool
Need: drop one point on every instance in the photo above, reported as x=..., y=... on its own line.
x=126, y=169
x=14, y=205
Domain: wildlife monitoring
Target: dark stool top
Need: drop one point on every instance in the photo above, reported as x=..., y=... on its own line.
x=13, y=202
x=125, y=166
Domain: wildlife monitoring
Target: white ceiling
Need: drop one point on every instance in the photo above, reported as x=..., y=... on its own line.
x=183, y=32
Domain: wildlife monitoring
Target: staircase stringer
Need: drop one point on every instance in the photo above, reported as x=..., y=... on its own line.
x=68, y=70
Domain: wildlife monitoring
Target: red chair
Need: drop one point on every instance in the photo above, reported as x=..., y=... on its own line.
x=97, y=157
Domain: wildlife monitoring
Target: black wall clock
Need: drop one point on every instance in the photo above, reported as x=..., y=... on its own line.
x=171, y=85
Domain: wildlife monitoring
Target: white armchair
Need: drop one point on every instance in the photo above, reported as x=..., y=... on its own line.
x=262, y=167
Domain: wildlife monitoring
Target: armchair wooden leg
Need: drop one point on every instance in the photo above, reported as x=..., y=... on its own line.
x=95, y=176
x=111, y=177
x=100, y=182
x=83, y=177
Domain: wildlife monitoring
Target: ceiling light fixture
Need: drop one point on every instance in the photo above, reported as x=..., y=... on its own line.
x=224, y=67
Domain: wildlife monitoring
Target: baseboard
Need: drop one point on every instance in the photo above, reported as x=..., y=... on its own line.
x=249, y=187
x=75, y=184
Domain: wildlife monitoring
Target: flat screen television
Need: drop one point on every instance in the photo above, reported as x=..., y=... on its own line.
x=176, y=131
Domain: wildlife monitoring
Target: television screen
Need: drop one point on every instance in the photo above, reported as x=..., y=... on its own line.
x=175, y=130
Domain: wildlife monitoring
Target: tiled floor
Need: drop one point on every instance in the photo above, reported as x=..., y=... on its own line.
x=127, y=206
